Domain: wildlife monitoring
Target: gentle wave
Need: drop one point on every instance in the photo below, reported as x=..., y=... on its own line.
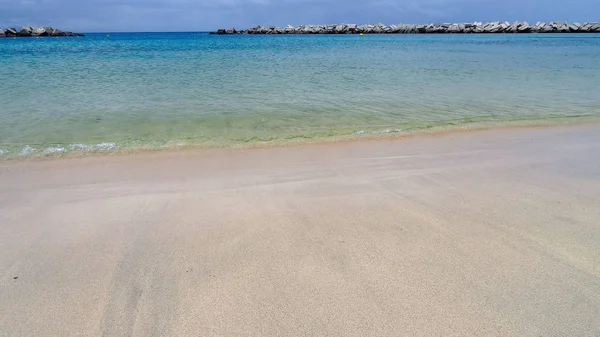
x=29, y=150
x=147, y=144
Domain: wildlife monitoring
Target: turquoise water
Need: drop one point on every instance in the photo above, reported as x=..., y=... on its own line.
x=101, y=93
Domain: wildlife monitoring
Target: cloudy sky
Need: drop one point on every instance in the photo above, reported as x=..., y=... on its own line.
x=202, y=15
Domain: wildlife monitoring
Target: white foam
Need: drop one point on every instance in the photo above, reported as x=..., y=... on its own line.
x=3, y=152
x=28, y=150
x=93, y=147
x=362, y=132
x=388, y=131
x=55, y=149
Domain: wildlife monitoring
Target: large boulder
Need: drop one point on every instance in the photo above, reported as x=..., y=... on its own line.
x=25, y=31
x=492, y=28
x=564, y=28
x=547, y=28
x=40, y=31
x=453, y=29
x=58, y=32
x=231, y=31
x=524, y=27
x=11, y=32
x=2, y=34
x=574, y=27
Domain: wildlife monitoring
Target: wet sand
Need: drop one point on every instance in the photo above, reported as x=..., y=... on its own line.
x=491, y=233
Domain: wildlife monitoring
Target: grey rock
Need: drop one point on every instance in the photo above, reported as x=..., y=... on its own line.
x=2, y=34
x=25, y=31
x=564, y=28
x=453, y=29
x=493, y=28
x=572, y=28
x=41, y=31
x=524, y=28
x=513, y=28
x=11, y=32
x=58, y=32
x=430, y=29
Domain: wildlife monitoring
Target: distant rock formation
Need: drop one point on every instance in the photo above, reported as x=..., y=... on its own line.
x=432, y=28
x=27, y=31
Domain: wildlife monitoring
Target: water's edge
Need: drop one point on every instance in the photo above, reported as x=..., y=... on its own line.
x=55, y=151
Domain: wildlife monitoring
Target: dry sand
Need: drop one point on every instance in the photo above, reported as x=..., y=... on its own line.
x=487, y=233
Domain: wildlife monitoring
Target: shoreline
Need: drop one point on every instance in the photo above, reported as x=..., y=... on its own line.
x=476, y=233
x=357, y=136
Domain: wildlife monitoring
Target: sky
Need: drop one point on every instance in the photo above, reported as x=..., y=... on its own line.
x=206, y=15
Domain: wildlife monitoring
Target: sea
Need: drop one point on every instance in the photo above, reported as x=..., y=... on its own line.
x=129, y=91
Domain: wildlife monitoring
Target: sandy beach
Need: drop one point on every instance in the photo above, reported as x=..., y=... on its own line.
x=488, y=233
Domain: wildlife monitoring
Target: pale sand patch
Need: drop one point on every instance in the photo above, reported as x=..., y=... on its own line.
x=486, y=233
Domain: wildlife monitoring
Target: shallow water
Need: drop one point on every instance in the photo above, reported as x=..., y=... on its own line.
x=104, y=93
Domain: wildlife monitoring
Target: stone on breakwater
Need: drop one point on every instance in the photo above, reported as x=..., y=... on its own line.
x=27, y=31
x=433, y=28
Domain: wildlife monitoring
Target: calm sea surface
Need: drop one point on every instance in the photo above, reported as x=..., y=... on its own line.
x=103, y=93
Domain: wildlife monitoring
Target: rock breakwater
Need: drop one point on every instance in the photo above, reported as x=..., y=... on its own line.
x=432, y=28
x=27, y=31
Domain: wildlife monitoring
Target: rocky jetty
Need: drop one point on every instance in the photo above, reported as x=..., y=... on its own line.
x=432, y=28
x=27, y=31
